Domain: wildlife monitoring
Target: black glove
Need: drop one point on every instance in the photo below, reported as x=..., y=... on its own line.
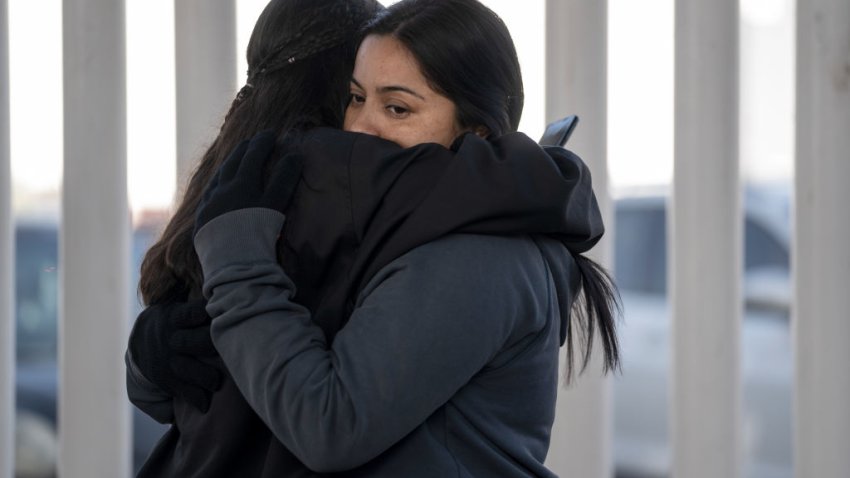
x=239, y=182
x=166, y=343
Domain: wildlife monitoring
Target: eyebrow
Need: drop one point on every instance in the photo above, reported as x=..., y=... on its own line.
x=391, y=88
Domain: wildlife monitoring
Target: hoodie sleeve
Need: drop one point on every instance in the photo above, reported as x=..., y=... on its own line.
x=421, y=329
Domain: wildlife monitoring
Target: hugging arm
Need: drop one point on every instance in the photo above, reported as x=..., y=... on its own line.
x=416, y=336
x=164, y=359
x=145, y=395
x=422, y=328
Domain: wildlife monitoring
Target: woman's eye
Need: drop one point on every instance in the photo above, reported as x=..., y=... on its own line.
x=398, y=111
x=356, y=99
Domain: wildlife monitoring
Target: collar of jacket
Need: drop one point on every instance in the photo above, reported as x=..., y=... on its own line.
x=364, y=202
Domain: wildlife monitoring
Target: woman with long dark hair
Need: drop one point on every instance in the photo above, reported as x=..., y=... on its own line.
x=300, y=57
x=434, y=353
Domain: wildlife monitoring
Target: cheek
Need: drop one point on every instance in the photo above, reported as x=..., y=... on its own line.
x=440, y=130
x=441, y=123
x=404, y=136
x=349, y=118
x=424, y=131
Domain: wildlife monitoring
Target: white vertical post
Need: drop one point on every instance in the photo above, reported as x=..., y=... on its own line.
x=576, y=83
x=205, y=37
x=705, y=271
x=7, y=266
x=821, y=260
x=94, y=415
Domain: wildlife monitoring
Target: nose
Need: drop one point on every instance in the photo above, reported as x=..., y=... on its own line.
x=358, y=120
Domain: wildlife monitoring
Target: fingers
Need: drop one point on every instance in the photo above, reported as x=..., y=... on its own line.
x=231, y=165
x=192, y=336
x=251, y=168
x=197, y=397
x=191, y=314
x=211, y=186
x=193, y=342
x=153, y=312
x=192, y=372
x=284, y=180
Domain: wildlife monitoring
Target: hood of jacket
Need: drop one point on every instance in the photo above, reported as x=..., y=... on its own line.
x=364, y=202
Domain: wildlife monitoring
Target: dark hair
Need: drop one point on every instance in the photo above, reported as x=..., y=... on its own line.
x=466, y=53
x=597, y=307
x=300, y=57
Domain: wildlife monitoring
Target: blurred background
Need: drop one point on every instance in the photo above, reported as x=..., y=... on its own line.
x=640, y=165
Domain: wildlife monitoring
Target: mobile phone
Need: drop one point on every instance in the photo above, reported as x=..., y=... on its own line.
x=558, y=132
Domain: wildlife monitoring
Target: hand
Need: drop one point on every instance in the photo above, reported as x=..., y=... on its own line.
x=239, y=182
x=166, y=343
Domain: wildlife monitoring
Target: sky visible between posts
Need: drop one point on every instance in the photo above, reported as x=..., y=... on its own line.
x=640, y=110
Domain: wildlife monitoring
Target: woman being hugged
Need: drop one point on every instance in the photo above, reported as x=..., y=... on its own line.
x=465, y=281
x=300, y=57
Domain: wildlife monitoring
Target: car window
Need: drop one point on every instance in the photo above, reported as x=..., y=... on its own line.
x=37, y=288
x=640, y=257
x=639, y=253
x=762, y=249
x=36, y=293
x=143, y=238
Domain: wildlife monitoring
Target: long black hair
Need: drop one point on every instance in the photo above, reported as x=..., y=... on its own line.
x=300, y=57
x=466, y=53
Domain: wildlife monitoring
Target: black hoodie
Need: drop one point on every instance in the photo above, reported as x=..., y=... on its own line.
x=362, y=204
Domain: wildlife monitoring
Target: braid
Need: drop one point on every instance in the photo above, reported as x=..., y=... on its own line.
x=313, y=44
x=286, y=44
x=317, y=36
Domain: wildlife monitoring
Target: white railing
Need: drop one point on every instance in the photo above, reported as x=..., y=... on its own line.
x=576, y=83
x=205, y=44
x=94, y=419
x=821, y=257
x=706, y=243
x=705, y=228
x=94, y=244
x=706, y=237
x=7, y=265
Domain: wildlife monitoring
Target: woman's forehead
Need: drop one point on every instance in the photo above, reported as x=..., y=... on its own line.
x=384, y=61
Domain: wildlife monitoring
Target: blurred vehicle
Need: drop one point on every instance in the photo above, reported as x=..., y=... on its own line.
x=642, y=446
x=36, y=306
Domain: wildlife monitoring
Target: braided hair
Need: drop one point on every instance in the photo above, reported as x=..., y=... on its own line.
x=314, y=36
x=340, y=22
x=300, y=57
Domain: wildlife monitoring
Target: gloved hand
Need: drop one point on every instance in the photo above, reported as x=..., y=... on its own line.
x=239, y=182
x=166, y=343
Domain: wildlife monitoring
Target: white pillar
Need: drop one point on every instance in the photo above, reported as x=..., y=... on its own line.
x=205, y=37
x=706, y=224
x=94, y=414
x=576, y=83
x=821, y=260
x=7, y=266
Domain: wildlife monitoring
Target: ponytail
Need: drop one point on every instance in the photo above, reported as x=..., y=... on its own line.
x=598, y=306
